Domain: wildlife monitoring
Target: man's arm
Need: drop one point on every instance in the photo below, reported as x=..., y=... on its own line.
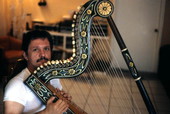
x=58, y=107
x=11, y=107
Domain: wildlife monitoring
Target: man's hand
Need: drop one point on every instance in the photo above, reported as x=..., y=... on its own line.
x=58, y=107
x=64, y=94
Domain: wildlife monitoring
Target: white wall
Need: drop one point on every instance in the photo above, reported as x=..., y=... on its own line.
x=136, y=21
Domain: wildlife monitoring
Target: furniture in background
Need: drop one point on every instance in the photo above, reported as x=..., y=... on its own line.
x=10, y=52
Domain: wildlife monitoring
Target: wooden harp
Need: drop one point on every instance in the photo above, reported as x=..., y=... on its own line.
x=78, y=63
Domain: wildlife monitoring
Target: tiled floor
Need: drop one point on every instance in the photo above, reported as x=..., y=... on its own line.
x=105, y=94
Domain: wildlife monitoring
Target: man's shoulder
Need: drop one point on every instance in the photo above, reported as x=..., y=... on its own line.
x=22, y=75
x=19, y=78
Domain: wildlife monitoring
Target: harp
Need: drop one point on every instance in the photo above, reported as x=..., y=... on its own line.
x=76, y=67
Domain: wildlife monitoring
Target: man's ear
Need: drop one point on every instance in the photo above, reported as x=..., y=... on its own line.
x=25, y=56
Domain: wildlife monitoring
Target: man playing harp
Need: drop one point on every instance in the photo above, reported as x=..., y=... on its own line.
x=18, y=98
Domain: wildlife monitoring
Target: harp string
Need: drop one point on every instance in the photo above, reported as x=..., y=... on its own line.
x=104, y=65
x=90, y=82
x=119, y=74
x=93, y=67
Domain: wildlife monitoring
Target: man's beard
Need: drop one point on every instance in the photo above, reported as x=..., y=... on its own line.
x=42, y=58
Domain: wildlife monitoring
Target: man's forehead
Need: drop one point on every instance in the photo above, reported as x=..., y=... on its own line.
x=39, y=38
x=39, y=41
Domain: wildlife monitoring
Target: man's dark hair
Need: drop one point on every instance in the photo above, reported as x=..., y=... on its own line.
x=35, y=34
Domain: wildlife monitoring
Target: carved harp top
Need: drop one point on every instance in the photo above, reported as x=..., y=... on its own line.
x=76, y=64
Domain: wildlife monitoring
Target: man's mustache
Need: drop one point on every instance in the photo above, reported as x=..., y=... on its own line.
x=42, y=58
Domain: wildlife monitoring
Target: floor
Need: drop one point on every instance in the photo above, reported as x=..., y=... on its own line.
x=105, y=94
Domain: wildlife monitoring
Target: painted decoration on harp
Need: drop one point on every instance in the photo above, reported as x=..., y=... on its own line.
x=37, y=87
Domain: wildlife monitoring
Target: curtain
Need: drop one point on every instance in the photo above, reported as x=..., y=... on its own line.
x=13, y=18
x=3, y=16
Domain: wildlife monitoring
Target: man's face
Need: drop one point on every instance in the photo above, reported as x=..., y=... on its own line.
x=39, y=52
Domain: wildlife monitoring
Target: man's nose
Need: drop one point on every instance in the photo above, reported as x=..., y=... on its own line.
x=42, y=53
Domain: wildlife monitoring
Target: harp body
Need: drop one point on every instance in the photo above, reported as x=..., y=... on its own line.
x=76, y=65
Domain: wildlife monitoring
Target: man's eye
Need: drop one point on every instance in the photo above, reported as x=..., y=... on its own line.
x=47, y=49
x=35, y=49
